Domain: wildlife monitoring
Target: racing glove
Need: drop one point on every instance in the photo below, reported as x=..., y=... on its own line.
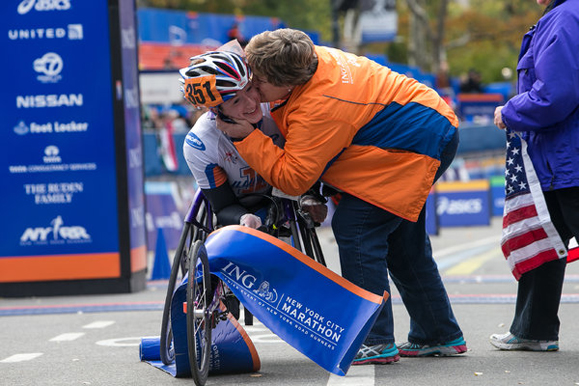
x=250, y=220
x=316, y=208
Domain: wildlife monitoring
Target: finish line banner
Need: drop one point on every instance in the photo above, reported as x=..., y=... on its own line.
x=232, y=351
x=310, y=307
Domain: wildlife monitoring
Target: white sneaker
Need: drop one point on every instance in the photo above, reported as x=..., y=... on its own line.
x=510, y=342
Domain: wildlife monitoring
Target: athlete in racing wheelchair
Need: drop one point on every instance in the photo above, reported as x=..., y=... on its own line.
x=229, y=189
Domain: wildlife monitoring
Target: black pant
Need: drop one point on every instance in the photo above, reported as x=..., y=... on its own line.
x=539, y=292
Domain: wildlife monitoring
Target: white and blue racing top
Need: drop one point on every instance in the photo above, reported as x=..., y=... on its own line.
x=214, y=160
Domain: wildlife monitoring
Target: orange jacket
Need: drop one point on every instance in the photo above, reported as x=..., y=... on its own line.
x=362, y=129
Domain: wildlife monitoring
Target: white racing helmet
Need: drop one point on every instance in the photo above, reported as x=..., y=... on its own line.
x=213, y=78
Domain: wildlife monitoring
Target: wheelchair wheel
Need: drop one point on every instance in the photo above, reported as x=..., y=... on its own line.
x=189, y=235
x=199, y=298
x=166, y=347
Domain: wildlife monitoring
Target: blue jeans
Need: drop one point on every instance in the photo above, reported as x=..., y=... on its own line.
x=374, y=243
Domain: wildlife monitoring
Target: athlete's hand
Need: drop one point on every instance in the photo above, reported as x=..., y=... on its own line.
x=250, y=220
x=238, y=130
x=314, y=207
x=499, y=118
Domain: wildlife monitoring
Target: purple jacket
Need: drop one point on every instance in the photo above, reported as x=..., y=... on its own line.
x=546, y=108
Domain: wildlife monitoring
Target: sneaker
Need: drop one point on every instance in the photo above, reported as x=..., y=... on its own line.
x=377, y=354
x=457, y=346
x=510, y=342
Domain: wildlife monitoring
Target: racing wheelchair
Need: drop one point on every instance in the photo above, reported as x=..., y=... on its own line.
x=206, y=292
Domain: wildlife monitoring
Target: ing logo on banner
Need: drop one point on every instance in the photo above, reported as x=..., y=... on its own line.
x=249, y=281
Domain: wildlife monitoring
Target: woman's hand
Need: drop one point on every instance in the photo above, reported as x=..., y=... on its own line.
x=250, y=220
x=238, y=130
x=317, y=209
x=499, y=118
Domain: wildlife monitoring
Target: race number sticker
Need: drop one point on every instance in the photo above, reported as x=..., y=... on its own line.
x=202, y=91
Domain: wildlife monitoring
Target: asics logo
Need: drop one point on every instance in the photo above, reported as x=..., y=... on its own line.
x=43, y=5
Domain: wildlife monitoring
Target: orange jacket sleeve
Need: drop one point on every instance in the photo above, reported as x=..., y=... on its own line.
x=308, y=149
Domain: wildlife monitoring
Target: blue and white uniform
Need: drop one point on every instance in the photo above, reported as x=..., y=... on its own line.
x=214, y=160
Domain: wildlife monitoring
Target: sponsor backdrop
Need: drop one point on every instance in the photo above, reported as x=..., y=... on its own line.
x=71, y=159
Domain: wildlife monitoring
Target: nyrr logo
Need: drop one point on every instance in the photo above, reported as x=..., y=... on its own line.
x=49, y=66
x=57, y=233
x=51, y=155
x=42, y=5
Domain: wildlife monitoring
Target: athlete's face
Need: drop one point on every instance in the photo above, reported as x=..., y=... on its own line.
x=268, y=91
x=244, y=105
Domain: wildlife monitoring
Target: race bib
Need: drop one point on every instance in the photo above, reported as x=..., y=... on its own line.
x=202, y=91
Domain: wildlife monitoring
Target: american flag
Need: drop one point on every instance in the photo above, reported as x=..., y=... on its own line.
x=529, y=237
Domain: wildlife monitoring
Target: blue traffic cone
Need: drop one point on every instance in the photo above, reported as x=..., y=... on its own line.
x=161, y=265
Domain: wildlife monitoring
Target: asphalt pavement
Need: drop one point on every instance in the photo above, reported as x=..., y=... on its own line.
x=93, y=340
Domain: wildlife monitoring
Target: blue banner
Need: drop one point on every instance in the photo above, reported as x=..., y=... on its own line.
x=232, y=351
x=71, y=157
x=58, y=154
x=432, y=226
x=132, y=130
x=463, y=203
x=294, y=296
x=58, y=144
x=181, y=27
x=497, y=194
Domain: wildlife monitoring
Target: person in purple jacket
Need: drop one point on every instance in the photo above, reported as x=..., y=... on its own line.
x=546, y=112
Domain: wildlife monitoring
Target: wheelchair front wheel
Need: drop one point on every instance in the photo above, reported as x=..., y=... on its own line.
x=188, y=236
x=199, y=299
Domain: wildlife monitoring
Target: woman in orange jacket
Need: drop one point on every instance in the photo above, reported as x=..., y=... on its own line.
x=381, y=139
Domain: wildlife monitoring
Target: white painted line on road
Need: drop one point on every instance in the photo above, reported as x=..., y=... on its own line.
x=99, y=324
x=21, y=357
x=266, y=338
x=460, y=248
x=261, y=334
x=120, y=342
x=69, y=336
x=357, y=376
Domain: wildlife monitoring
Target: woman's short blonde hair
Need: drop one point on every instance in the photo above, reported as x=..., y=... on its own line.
x=285, y=57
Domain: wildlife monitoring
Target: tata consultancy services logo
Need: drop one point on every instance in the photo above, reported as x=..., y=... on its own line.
x=42, y=5
x=49, y=67
x=55, y=234
x=51, y=155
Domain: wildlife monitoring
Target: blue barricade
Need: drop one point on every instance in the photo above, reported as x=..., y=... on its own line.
x=463, y=203
x=497, y=194
x=163, y=213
